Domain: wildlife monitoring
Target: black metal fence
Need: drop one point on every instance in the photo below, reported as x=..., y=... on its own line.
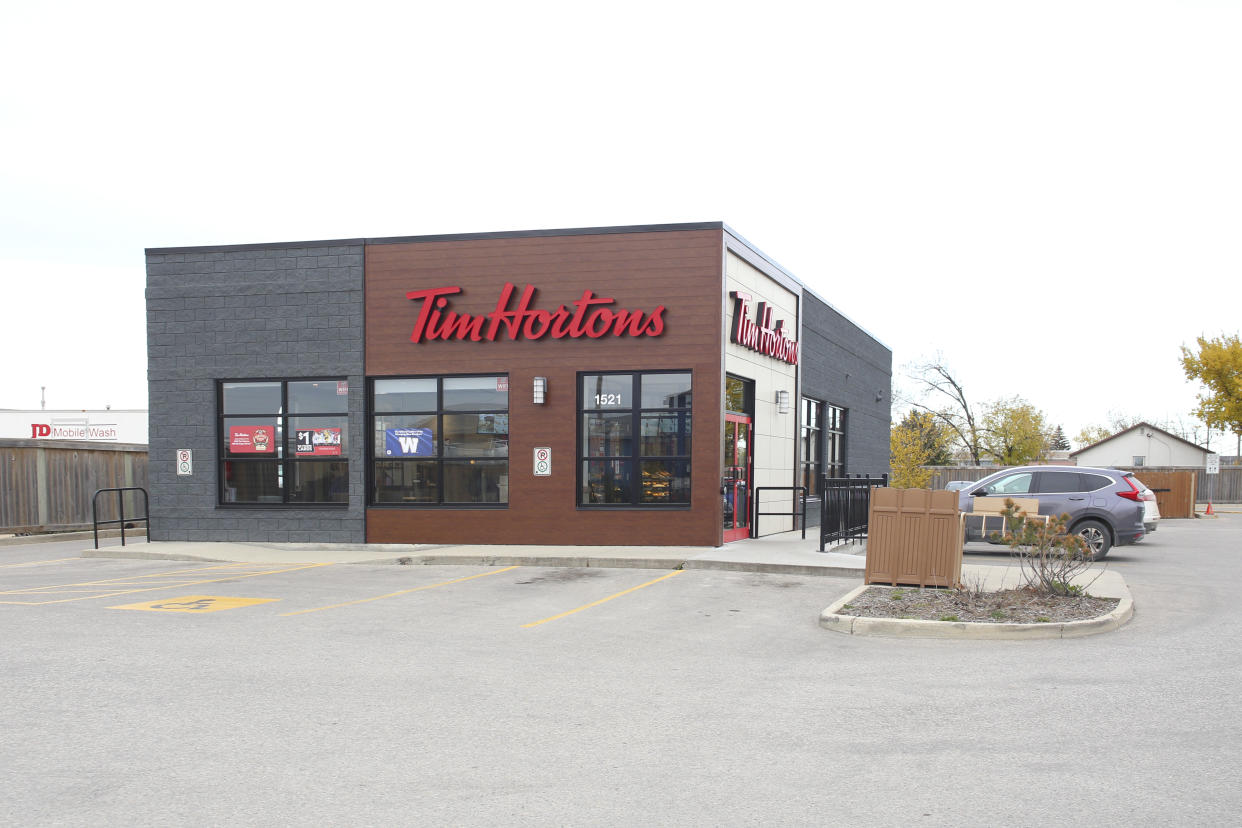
x=844, y=505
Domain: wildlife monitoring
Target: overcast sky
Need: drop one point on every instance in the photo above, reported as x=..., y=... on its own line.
x=1048, y=194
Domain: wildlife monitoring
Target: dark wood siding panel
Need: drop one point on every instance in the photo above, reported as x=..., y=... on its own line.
x=680, y=270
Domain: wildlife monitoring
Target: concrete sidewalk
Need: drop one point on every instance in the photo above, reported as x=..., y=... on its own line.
x=787, y=553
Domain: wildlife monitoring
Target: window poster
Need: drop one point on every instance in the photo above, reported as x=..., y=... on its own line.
x=252, y=439
x=318, y=442
x=493, y=424
x=409, y=442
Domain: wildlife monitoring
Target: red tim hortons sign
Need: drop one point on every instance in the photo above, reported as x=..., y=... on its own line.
x=760, y=334
x=590, y=316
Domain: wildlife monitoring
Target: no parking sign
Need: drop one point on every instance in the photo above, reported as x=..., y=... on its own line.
x=185, y=461
x=543, y=461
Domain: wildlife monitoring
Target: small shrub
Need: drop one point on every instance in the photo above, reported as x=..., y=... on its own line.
x=997, y=614
x=948, y=618
x=1049, y=557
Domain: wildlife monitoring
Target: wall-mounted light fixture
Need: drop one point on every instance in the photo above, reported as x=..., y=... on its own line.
x=541, y=390
x=879, y=395
x=782, y=402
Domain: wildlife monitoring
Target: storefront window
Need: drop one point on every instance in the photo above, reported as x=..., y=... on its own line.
x=834, y=441
x=440, y=441
x=634, y=438
x=268, y=457
x=812, y=445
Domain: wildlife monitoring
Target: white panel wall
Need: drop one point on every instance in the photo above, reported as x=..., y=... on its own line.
x=775, y=436
x=1159, y=450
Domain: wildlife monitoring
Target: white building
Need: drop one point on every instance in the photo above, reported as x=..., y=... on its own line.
x=1142, y=444
x=81, y=424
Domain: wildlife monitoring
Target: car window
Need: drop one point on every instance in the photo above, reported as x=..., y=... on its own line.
x=1059, y=482
x=1095, y=482
x=1011, y=484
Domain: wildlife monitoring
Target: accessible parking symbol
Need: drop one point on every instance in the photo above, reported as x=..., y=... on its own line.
x=195, y=603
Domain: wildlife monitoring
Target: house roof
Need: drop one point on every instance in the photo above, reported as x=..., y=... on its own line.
x=1138, y=426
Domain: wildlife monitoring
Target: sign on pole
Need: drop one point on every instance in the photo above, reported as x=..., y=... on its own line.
x=185, y=462
x=543, y=461
x=1213, y=464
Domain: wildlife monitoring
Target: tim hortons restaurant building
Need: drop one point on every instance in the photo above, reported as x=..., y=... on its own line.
x=595, y=386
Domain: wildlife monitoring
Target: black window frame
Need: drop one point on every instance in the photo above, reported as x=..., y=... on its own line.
x=636, y=457
x=284, y=461
x=811, y=442
x=439, y=457
x=833, y=436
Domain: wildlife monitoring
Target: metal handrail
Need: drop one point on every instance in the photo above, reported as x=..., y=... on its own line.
x=754, y=524
x=120, y=497
x=844, y=507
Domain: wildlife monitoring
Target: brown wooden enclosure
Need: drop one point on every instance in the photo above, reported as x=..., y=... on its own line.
x=48, y=485
x=914, y=538
x=681, y=270
x=1175, y=491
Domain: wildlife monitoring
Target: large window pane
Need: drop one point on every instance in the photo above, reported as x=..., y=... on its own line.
x=251, y=481
x=405, y=395
x=608, y=435
x=476, y=435
x=407, y=435
x=476, y=393
x=318, y=481
x=476, y=481
x=407, y=481
x=665, y=435
x=318, y=397
x=251, y=397
x=262, y=442
x=317, y=437
x=666, y=481
x=606, y=481
x=666, y=390
x=607, y=391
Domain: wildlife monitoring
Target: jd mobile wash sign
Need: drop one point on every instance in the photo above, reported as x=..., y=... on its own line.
x=85, y=426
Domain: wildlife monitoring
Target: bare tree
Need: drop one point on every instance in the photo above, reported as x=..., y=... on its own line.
x=935, y=383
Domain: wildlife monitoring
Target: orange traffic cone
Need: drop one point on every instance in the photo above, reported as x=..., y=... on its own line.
x=1209, y=509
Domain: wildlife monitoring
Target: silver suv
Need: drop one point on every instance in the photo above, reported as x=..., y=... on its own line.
x=1105, y=506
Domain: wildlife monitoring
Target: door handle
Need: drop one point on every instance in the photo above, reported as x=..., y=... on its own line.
x=1077, y=498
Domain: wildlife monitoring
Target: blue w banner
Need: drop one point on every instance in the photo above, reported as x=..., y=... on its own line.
x=408, y=442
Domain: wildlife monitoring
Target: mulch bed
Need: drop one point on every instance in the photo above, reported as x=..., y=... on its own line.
x=1010, y=606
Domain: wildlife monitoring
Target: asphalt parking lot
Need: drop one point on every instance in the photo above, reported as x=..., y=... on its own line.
x=145, y=692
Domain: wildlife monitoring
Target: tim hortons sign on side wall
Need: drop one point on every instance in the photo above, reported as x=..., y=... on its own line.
x=590, y=316
x=760, y=334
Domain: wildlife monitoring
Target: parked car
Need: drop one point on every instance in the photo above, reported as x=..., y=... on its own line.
x=1105, y=506
x=1151, y=512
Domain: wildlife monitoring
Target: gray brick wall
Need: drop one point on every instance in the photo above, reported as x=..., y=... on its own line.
x=262, y=313
x=845, y=366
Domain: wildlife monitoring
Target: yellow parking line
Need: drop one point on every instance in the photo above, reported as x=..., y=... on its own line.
x=121, y=580
x=399, y=592
x=604, y=600
x=32, y=563
x=175, y=585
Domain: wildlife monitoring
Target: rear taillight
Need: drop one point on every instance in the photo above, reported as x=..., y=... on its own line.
x=1134, y=494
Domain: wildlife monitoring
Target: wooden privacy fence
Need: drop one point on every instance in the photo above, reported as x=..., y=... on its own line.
x=1175, y=491
x=1225, y=487
x=48, y=485
x=914, y=538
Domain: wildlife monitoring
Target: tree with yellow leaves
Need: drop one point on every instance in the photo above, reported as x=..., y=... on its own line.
x=1218, y=366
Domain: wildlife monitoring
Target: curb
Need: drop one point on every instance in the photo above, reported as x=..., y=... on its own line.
x=62, y=537
x=517, y=560
x=832, y=619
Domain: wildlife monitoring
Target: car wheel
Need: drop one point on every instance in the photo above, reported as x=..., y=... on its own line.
x=1096, y=536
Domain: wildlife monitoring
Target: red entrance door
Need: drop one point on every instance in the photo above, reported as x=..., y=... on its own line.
x=737, y=464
